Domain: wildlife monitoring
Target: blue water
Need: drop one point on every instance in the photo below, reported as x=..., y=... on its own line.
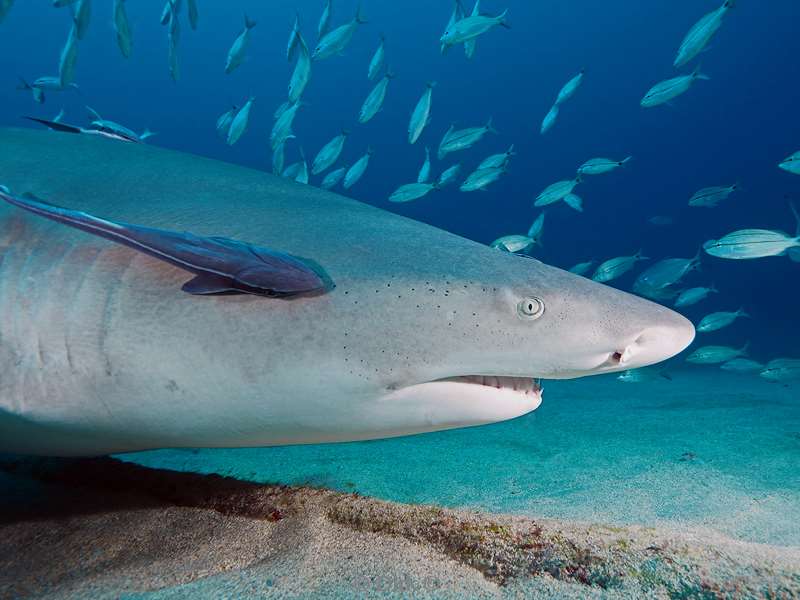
x=734, y=128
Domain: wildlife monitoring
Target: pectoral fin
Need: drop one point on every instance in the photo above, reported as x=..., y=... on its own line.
x=220, y=264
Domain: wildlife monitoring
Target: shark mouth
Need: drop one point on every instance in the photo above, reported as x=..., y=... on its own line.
x=524, y=385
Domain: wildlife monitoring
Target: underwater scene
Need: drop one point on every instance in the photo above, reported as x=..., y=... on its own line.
x=340, y=299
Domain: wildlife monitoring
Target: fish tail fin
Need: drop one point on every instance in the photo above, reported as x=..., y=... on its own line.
x=93, y=114
x=502, y=20
x=744, y=350
x=625, y=160
x=248, y=23
x=360, y=19
x=489, y=127
x=510, y=151
x=743, y=313
x=713, y=288
x=430, y=84
x=640, y=255
x=147, y=134
x=796, y=219
x=23, y=85
x=730, y=4
x=389, y=73
x=698, y=74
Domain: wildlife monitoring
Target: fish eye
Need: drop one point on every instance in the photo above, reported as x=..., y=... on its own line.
x=530, y=308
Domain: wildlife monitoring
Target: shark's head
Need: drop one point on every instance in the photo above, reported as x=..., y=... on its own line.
x=470, y=347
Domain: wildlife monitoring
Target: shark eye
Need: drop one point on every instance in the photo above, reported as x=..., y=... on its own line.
x=530, y=308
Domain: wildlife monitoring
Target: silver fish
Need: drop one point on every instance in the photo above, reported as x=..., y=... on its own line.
x=356, y=171
x=569, y=89
x=513, y=243
x=421, y=115
x=556, y=191
x=122, y=28
x=282, y=129
x=791, y=163
x=694, y=295
x=333, y=178
x=278, y=158
x=742, y=365
x=456, y=15
x=240, y=122
x=82, y=16
x=710, y=197
x=598, y=166
x=302, y=71
x=549, y=119
x=238, y=49
x=782, y=369
x=574, y=201
x=374, y=100
x=69, y=55
x=755, y=243
x=462, y=139
x=536, y=229
x=411, y=191
x=173, y=38
x=334, y=42
x=701, y=33
x=448, y=176
x=481, y=179
x=471, y=27
x=324, y=20
x=294, y=35
x=718, y=320
x=664, y=274
x=329, y=153
x=581, y=268
x=378, y=60
x=616, y=267
x=712, y=355
x=224, y=122
x=425, y=170
x=497, y=160
x=665, y=91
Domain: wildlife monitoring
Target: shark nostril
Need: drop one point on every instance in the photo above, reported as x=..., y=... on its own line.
x=617, y=357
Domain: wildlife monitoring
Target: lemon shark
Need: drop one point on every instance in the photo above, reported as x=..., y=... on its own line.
x=363, y=324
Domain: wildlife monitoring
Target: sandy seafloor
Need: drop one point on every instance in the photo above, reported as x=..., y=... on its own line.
x=702, y=470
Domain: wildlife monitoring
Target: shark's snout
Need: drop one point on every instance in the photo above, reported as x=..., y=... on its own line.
x=655, y=343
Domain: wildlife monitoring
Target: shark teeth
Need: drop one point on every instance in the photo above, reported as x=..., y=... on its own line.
x=525, y=385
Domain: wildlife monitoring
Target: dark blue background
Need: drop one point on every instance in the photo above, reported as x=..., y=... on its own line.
x=735, y=127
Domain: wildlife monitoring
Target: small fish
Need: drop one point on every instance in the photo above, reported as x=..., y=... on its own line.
x=574, y=201
x=5, y=6
x=665, y=273
x=598, y=166
x=122, y=28
x=239, y=123
x=82, y=16
x=278, y=157
x=461, y=139
x=694, y=295
x=45, y=83
x=661, y=221
x=742, y=365
x=713, y=355
x=665, y=91
x=471, y=27
x=378, y=60
x=280, y=110
x=497, y=160
x=302, y=71
x=333, y=178
x=481, y=179
x=614, y=268
x=293, y=170
x=329, y=153
x=781, y=369
x=173, y=37
x=374, y=100
x=425, y=170
x=421, y=115
x=456, y=15
x=224, y=122
x=642, y=375
x=69, y=55
x=324, y=24
x=513, y=243
x=549, y=119
x=302, y=171
x=701, y=33
x=334, y=42
x=582, y=268
x=448, y=176
x=556, y=191
x=238, y=49
x=711, y=196
x=412, y=191
x=791, y=163
x=294, y=37
x=282, y=130
x=355, y=172
x=194, y=16
x=569, y=89
x=755, y=243
x=718, y=320
x=536, y=229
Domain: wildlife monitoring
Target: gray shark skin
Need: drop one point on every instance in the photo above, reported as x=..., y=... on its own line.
x=101, y=351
